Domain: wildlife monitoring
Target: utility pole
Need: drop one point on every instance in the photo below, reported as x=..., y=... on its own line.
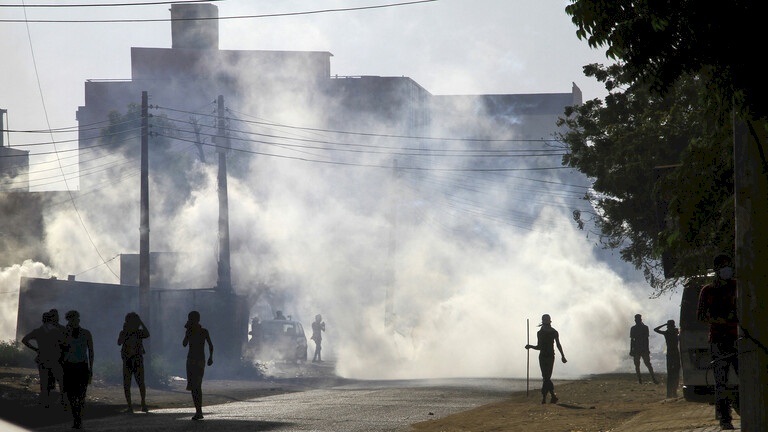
x=224, y=284
x=389, y=305
x=751, y=200
x=144, y=303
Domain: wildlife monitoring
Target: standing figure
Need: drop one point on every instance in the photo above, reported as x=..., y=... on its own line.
x=51, y=379
x=78, y=365
x=318, y=326
x=132, y=352
x=547, y=337
x=717, y=307
x=48, y=340
x=672, y=336
x=196, y=337
x=639, y=347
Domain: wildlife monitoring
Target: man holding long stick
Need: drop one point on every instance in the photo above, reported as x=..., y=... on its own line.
x=547, y=338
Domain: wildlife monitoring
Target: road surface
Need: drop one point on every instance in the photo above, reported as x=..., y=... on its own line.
x=370, y=406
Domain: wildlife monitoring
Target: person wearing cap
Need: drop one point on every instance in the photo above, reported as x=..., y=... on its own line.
x=547, y=337
x=639, y=348
x=717, y=307
x=671, y=336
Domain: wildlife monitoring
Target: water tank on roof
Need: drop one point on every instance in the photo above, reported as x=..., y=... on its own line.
x=195, y=26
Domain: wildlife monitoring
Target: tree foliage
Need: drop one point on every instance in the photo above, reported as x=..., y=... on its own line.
x=658, y=42
x=646, y=153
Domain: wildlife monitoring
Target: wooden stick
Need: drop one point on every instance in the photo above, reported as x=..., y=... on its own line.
x=528, y=359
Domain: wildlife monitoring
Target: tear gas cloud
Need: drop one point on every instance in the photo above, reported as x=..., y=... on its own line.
x=333, y=239
x=466, y=258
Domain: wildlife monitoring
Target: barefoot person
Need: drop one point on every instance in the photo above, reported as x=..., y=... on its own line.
x=132, y=352
x=196, y=337
x=547, y=337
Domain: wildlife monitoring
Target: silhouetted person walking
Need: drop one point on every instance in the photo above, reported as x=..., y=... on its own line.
x=639, y=347
x=547, y=338
x=717, y=307
x=196, y=337
x=48, y=340
x=132, y=352
x=78, y=365
x=318, y=327
x=672, y=337
x=51, y=379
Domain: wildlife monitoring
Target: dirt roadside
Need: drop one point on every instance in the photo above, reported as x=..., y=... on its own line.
x=610, y=402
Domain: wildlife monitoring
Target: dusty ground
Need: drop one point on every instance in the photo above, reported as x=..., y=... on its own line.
x=608, y=402
x=613, y=402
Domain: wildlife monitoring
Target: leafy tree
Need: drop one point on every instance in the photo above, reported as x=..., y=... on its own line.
x=646, y=152
x=659, y=42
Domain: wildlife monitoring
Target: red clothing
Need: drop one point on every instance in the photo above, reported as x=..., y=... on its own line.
x=717, y=307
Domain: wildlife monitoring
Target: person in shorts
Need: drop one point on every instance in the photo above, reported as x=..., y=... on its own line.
x=196, y=337
x=132, y=352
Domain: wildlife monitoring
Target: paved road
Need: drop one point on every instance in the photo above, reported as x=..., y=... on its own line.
x=368, y=406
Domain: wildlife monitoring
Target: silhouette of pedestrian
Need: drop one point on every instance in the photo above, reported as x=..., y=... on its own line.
x=717, y=307
x=132, y=352
x=78, y=365
x=672, y=337
x=48, y=340
x=51, y=379
x=547, y=338
x=639, y=347
x=318, y=326
x=196, y=337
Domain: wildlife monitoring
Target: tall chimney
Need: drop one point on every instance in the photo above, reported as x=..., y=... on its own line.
x=195, y=26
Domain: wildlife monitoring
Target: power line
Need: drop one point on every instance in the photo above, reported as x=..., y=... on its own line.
x=255, y=152
x=78, y=5
x=45, y=111
x=272, y=15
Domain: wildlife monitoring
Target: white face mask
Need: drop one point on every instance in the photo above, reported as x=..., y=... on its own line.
x=725, y=273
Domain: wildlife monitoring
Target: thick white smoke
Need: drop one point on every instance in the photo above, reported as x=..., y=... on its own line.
x=9, y=293
x=335, y=239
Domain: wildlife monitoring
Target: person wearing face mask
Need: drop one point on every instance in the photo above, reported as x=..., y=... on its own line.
x=717, y=308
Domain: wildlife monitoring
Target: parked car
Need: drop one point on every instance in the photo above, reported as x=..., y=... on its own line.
x=278, y=339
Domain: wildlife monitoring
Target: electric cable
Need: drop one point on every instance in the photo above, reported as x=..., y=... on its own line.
x=225, y=18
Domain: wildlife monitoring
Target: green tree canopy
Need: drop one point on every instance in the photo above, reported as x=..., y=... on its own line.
x=647, y=153
x=658, y=42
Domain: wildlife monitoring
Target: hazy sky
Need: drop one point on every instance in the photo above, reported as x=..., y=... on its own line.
x=447, y=46
x=457, y=299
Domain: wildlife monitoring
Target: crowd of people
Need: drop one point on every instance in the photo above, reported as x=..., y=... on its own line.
x=65, y=356
x=65, y=353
